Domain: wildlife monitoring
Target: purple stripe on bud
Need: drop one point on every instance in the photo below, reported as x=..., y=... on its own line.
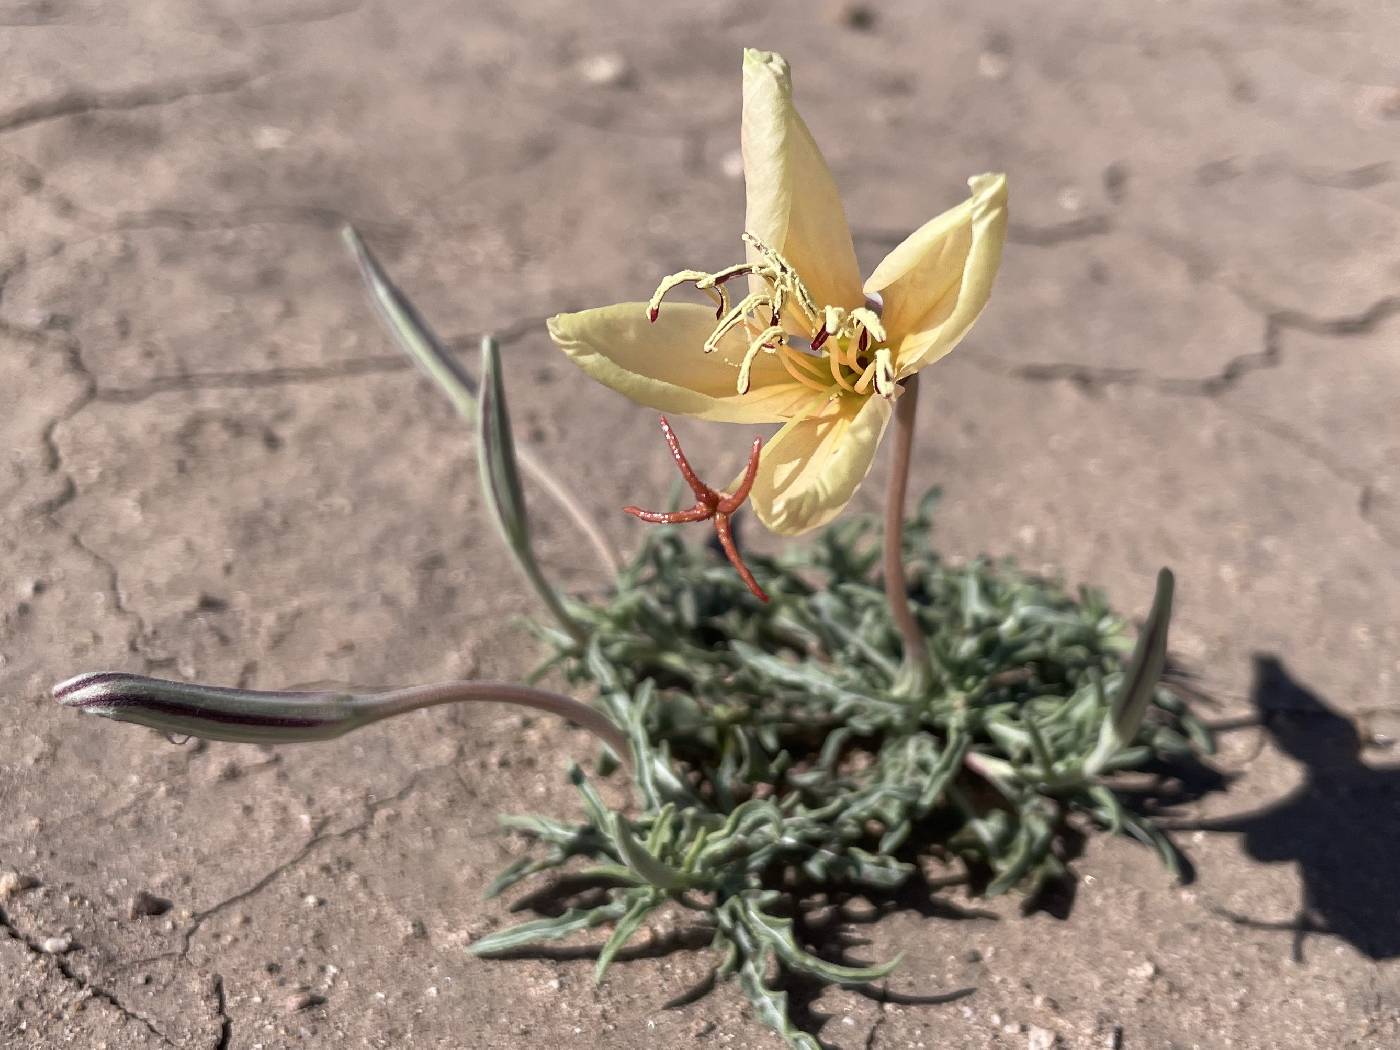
x=211, y=712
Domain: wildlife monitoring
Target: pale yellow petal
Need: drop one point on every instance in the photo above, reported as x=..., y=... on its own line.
x=812, y=467
x=664, y=366
x=793, y=205
x=935, y=284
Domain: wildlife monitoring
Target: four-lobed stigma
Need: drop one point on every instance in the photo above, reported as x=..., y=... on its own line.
x=709, y=504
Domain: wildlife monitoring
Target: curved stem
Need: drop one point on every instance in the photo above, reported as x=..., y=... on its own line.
x=916, y=672
x=292, y=716
x=401, y=701
x=571, y=506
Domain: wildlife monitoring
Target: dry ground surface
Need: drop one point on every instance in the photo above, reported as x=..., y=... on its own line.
x=215, y=466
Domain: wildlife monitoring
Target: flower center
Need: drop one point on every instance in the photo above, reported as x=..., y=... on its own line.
x=846, y=354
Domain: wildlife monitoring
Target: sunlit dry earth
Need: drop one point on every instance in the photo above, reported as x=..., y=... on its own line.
x=217, y=467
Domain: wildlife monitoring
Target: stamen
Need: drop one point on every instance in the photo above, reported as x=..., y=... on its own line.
x=851, y=358
x=811, y=362
x=820, y=338
x=871, y=321
x=672, y=281
x=835, y=319
x=760, y=343
x=785, y=274
x=717, y=280
x=803, y=377
x=863, y=383
x=735, y=317
x=836, y=371
x=728, y=273
x=884, y=372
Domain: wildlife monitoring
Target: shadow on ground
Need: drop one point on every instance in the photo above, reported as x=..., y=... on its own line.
x=1338, y=827
x=829, y=923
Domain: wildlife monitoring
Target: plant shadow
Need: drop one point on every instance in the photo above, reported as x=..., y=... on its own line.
x=827, y=922
x=1338, y=826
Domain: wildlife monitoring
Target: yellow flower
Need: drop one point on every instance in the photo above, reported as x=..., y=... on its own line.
x=808, y=346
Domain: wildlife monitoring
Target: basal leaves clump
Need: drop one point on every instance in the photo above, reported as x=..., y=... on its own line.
x=774, y=761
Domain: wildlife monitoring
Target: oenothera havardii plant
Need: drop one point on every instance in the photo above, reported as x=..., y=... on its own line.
x=789, y=727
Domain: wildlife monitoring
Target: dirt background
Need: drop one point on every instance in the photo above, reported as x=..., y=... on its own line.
x=215, y=466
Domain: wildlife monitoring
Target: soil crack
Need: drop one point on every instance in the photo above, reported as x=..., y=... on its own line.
x=88, y=100
x=83, y=984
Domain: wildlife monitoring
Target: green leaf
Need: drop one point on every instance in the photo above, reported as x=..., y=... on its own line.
x=545, y=829
x=500, y=483
x=500, y=478
x=770, y=1004
x=1149, y=834
x=419, y=342
x=626, y=926
x=592, y=801
x=1109, y=808
x=660, y=875
x=552, y=929
x=410, y=331
x=1028, y=847
x=777, y=934
x=808, y=678
x=1139, y=681
x=611, y=873
x=949, y=765
x=517, y=870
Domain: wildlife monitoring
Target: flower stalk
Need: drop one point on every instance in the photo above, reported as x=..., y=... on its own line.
x=916, y=670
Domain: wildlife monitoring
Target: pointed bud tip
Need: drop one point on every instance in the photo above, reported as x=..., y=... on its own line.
x=77, y=691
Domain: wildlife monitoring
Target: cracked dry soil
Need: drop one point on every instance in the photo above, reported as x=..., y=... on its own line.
x=218, y=468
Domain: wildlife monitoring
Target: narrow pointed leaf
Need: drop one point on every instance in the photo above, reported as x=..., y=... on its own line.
x=556, y=928
x=660, y=875
x=417, y=339
x=519, y=870
x=949, y=764
x=626, y=927
x=1140, y=679
x=1149, y=834
x=500, y=482
x=777, y=934
x=771, y=1005
x=411, y=331
x=1029, y=846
